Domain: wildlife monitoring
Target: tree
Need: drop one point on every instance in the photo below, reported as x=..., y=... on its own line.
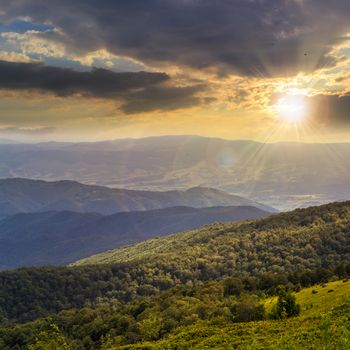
x=50, y=340
x=233, y=286
x=286, y=306
x=150, y=327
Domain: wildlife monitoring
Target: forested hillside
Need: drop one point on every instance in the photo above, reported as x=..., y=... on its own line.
x=302, y=247
x=316, y=237
x=211, y=315
x=53, y=238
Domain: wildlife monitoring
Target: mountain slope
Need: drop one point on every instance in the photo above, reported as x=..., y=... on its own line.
x=23, y=195
x=303, y=235
x=303, y=247
x=63, y=237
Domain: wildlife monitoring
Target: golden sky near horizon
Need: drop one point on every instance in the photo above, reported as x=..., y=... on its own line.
x=263, y=70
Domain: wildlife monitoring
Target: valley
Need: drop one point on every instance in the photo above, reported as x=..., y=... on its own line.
x=282, y=175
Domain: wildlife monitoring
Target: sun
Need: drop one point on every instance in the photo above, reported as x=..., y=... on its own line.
x=292, y=108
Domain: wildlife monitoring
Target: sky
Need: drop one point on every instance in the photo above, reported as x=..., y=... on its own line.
x=266, y=70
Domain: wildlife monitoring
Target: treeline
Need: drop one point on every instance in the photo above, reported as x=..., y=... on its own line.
x=147, y=318
x=39, y=292
x=151, y=318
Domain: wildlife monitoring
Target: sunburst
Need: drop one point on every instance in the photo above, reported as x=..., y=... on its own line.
x=292, y=108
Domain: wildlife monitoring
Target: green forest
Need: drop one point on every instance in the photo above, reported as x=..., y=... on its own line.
x=247, y=277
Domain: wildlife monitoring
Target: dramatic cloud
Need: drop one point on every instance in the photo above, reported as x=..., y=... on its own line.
x=163, y=99
x=139, y=91
x=331, y=110
x=229, y=58
x=67, y=82
x=256, y=37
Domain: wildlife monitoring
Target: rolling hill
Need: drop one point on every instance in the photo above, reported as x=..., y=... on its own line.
x=63, y=237
x=26, y=196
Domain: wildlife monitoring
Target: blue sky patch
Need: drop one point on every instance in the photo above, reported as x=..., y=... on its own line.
x=20, y=26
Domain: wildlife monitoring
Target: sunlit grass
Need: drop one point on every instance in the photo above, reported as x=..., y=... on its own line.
x=323, y=325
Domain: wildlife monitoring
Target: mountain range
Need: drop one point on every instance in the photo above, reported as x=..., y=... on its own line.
x=49, y=238
x=26, y=196
x=282, y=175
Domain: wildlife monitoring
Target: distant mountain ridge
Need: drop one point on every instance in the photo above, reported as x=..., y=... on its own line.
x=24, y=195
x=282, y=175
x=7, y=141
x=63, y=237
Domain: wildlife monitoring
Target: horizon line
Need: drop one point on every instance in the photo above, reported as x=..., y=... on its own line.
x=14, y=142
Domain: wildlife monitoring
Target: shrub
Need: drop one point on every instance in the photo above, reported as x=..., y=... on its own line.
x=249, y=309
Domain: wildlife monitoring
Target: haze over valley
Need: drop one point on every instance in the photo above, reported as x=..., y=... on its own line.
x=281, y=175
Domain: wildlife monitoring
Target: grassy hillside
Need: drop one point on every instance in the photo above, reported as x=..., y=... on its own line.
x=323, y=324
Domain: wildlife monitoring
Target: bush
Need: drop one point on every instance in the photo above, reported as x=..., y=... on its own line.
x=249, y=309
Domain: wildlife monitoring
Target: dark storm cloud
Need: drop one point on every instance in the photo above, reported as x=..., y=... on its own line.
x=140, y=91
x=331, y=110
x=250, y=37
x=68, y=82
x=162, y=99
